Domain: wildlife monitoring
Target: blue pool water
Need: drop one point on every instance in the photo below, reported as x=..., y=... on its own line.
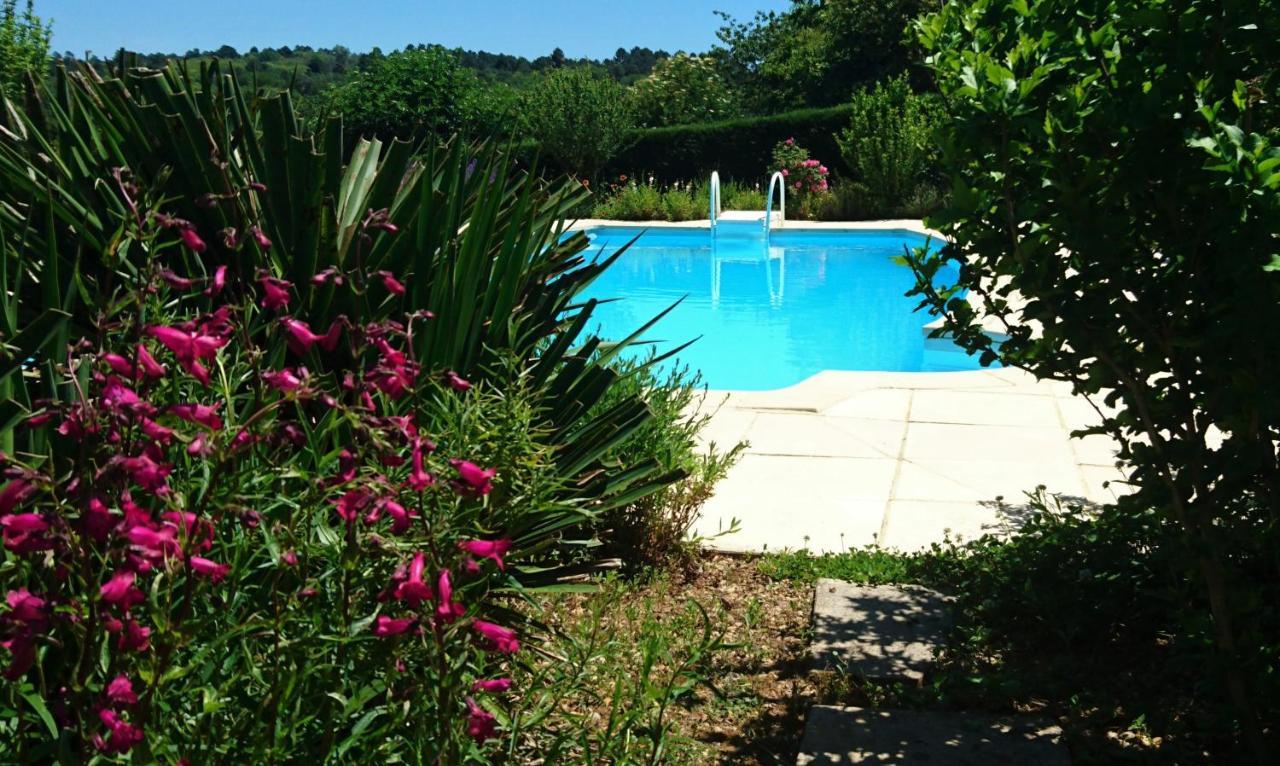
x=771, y=316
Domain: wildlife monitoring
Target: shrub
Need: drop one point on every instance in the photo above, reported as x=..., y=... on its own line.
x=628, y=200
x=739, y=149
x=580, y=118
x=262, y=505
x=654, y=531
x=682, y=89
x=1099, y=181
x=888, y=144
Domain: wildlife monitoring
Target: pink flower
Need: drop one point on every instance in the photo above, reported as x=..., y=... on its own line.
x=263, y=241
x=481, y=724
x=472, y=479
x=495, y=686
x=219, y=281
x=301, y=338
x=419, y=479
x=117, y=396
x=122, y=737
x=275, y=293
x=23, y=523
x=352, y=502
x=25, y=606
x=148, y=364
x=401, y=518
x=211, y=569
x=146, y=473
x=496, y=638
x=282, y=380
x=22, y=651
x=387, y=626
x=15, y=492
x=118, y=364
x=390, y=282
x=201, y=414
x=414, y=590
x=134, y=637
x=96, y=520
x=156, y=432
x=177, y=282
x=456, y=381
x=189, y=348
x=120, y=691
x=785, y=172
x=119, y=590
x=488, y=549
x=446, y=610
x=200, y=446
x=192, y=240
x=155, y=543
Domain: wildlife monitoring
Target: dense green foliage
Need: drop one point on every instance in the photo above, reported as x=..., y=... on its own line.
x=682, y=89
x=739, y=148
x=816, y=52
x=188, y=224
x=580, y=119
x=888, y=146
x=24, y=45
x=406, y=95
x=1115, y=171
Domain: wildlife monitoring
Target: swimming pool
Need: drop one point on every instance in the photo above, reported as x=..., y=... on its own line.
x=771, y=316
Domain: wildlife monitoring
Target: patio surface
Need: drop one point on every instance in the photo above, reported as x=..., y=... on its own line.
x=903, y=460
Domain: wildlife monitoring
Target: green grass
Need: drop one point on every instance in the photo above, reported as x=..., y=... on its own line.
x=872, y=566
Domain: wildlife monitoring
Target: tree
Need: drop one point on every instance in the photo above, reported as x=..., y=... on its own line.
x=406, y=94
x=816, y=52
x=580, y=118
x=1116, y=201
x=24, y=45
x=888, y=145
x=682, y=89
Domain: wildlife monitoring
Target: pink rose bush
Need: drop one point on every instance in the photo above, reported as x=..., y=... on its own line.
x=244, y=506
x=804, y=176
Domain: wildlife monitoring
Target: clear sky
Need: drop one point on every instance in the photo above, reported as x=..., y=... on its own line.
x=594, y=28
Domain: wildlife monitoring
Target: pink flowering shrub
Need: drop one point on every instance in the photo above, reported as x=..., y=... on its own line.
x=244, y=516
x=804, y=176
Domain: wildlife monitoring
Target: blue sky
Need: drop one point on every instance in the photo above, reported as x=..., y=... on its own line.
x=531, y=28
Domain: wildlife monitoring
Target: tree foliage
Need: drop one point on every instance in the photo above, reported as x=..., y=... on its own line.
x=816, y=52
x=408, y=94
x=682, y=89
x=24, y=45
x=581, y=119
x=1115, y=204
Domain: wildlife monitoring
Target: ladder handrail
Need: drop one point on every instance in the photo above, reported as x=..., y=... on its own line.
x=714, y=202
x=768, y=203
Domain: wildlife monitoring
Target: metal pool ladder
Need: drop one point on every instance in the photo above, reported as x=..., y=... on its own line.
x=714, y=203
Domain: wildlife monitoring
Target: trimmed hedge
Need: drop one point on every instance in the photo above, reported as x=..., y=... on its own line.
x=739, y=148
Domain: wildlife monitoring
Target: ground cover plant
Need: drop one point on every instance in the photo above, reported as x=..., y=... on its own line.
x=262, y=500
x=1114, y=172
x=643, y=199
x=1076, y=619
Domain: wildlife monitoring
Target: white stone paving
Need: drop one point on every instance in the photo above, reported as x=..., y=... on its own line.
x=904, y=460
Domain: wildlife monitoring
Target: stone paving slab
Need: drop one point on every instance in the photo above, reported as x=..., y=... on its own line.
x=882, y=632
x=836, y=736
x=852, y=459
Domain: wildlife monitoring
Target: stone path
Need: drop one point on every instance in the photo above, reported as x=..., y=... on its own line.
x=892, y=633
x=849, y=459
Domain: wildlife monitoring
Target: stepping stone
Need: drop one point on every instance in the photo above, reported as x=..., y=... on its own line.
x=835, y=736
x=883, y=632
